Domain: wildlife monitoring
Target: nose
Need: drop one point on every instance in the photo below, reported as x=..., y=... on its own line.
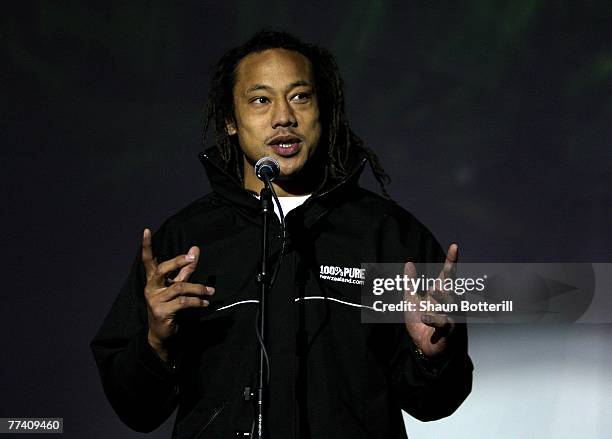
x=282, y=114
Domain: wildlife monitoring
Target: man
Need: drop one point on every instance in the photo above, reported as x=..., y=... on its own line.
x=182, y=331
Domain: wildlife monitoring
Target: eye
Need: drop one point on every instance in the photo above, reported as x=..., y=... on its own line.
x=301, y=97
x=260, y=100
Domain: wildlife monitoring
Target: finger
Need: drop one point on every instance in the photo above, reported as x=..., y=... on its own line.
x=148, y=260
x=410, y=273
x=186, y=271
x=183, y=302
x=435, y=320
x=166, y=267
x=450, y=267
x=409, y=269
x=444, y=297
x=185, y=289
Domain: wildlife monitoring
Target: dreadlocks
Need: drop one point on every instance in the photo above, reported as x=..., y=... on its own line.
x=342, y=142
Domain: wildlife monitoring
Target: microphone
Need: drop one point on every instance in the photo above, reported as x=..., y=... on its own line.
x=267, y=168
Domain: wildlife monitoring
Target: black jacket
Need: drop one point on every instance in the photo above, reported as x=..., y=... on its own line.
x=331, y=375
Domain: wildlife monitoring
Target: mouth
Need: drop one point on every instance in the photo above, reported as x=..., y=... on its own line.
x=285, y=145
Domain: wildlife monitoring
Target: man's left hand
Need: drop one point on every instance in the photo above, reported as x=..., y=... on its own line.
x=430, y=331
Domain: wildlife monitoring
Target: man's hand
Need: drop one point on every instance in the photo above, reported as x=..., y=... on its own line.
x=163, y=301
x=430, y=331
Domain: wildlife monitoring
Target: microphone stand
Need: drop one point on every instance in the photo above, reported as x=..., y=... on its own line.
x=266, y=169
x=263, y=278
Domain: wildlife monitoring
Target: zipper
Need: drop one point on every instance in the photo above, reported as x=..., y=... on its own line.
x=216, y=413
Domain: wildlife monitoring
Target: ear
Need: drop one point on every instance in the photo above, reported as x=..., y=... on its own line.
x=230, y=127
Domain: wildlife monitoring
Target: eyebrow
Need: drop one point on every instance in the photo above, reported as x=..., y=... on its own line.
x=256, y=87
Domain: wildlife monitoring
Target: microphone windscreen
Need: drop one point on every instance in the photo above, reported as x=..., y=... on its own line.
x=267, y=167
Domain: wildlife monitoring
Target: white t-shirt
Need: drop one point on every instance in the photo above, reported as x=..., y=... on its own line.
x=289, y=203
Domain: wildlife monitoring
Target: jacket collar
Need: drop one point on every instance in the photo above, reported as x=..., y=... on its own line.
x=223, y=183
x=228, y=188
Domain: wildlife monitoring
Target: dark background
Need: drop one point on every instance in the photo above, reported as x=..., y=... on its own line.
x=493, y=118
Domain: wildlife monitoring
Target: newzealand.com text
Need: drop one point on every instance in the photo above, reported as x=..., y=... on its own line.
x=351, y=275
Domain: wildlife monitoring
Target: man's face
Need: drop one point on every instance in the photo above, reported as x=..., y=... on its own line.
x=276, y=110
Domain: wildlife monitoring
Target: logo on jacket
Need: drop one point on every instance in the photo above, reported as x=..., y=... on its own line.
x=350, y=275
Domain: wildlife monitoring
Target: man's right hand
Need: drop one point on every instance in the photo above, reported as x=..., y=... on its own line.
x=165, y=297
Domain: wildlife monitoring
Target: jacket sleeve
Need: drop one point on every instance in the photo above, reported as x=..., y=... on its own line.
x=141, y=387
x=431, y=389
x=427, y=389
